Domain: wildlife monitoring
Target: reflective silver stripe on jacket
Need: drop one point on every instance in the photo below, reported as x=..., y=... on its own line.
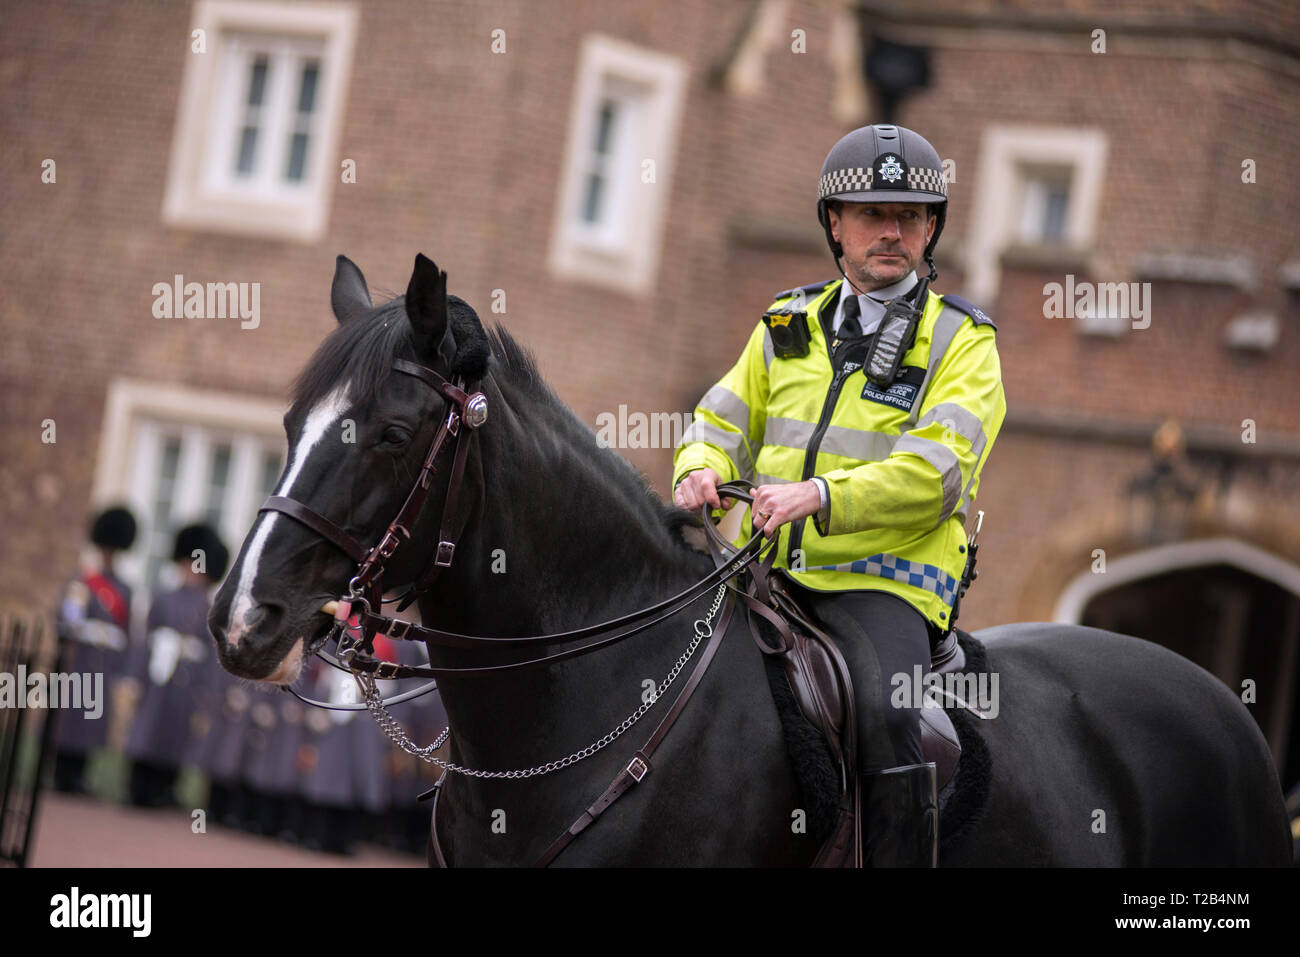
x=727, y=406
x=733, y=444
x=945, y=463
x=858, y=443
x=837, y=439
x=966, y=424
x=961, y=420
x=733, y=410
x=790, y=433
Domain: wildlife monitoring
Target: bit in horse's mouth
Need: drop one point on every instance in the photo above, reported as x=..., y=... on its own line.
x=323, y=634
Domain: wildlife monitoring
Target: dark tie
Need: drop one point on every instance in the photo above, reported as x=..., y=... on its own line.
x=850, y=327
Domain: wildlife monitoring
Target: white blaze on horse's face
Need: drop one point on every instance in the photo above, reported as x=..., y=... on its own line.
x=319, y=421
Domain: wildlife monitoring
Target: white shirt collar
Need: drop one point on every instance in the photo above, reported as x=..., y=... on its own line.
x=872, y=304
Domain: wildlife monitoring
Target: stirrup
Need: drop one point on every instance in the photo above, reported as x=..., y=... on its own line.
x=901, y=816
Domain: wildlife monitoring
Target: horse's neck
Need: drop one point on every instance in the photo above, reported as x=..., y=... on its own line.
x=556, y=544
x=558, y=541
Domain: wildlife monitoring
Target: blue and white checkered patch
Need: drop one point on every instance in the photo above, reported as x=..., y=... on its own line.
x=931, y=578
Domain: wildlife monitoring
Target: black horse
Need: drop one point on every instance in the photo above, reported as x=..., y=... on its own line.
x=1106, y=750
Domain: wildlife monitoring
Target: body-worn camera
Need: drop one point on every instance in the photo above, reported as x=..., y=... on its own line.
x=895, y=335
x=789, y=331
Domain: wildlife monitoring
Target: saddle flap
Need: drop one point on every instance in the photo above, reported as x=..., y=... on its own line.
x=816, y=684
x=939, y=742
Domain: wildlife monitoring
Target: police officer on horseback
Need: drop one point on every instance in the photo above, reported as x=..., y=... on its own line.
x=863, y=408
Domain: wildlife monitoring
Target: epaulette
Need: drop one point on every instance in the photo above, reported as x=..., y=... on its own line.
x=981, y=317
x=809, y=291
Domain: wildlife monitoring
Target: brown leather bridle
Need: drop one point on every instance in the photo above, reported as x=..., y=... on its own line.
x=365, y=589
x=359, y=617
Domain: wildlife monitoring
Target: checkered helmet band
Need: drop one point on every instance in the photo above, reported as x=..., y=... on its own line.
x=859, y=180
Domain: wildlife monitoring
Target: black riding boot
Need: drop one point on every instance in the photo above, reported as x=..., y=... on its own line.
x=900, y=811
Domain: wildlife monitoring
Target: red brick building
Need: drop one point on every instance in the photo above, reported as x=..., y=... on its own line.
x=624, y=187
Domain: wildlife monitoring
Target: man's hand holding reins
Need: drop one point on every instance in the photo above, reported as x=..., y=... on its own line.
x=699, y=487
x=774, y=505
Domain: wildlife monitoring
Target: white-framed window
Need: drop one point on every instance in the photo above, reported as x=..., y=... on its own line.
x=271, y=125
x=1044, y=204
x=261, y=109
x=175, y=456
x=615, y=181
x=609, y=168
x=1036, y=186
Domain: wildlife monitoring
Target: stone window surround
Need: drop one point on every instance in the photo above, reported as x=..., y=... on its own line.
x=995, y=214
x=630, y=266
x=302, y=214
x=137, y=412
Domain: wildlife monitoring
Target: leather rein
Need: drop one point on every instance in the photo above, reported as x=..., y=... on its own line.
x=357, y=618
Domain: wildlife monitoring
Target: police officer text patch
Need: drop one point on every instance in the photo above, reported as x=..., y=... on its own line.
x=901, y=393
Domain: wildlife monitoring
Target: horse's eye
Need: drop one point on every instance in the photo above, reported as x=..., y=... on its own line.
x=394, y=435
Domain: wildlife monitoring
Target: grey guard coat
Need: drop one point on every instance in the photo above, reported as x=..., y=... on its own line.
x=328, y=739
x=170, y=664
x=228, y=703
x=271, y=746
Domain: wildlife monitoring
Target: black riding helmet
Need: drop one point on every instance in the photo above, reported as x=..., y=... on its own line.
x=883, y=164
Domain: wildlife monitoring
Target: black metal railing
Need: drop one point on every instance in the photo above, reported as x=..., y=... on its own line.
x=27, y=647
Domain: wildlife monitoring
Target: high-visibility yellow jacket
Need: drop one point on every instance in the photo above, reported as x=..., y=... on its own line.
x=902, y=463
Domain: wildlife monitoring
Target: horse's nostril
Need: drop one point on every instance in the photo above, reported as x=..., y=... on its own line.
x=262, y=617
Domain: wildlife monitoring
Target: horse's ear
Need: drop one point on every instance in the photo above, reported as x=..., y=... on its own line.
x=426, y=304
x=348, y=296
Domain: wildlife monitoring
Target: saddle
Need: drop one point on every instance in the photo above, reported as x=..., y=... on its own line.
x=822, y=685
x=819, y=691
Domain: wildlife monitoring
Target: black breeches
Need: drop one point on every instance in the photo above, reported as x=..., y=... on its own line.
x=897, y=639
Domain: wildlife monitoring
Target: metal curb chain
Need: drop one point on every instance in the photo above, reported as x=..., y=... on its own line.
x=388, y=724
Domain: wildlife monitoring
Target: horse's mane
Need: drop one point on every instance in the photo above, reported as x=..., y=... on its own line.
x=361, y=352
x=516, y=367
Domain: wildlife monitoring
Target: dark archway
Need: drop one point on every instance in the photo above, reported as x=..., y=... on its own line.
x=1236, y=625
